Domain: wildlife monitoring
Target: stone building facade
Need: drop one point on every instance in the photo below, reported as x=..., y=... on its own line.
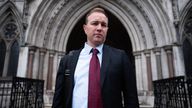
x=156, y=34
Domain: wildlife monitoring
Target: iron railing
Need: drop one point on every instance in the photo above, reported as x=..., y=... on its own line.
x=21, y=93
x=5, y=92
x=173, y=93
x=189, y=89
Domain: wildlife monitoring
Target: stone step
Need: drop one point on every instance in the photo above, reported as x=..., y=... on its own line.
x=146, y=106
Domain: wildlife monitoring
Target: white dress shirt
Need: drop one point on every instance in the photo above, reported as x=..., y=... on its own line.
x=80, y=91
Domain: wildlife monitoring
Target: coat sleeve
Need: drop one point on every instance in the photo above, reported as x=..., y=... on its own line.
x=129, y=84
x=58, y=99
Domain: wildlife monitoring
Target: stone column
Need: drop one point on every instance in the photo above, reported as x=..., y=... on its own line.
x=30, y=61
x=50, y=70
x=157, y=52
x=178, y=60
x=149, y=69
x=168, y=50
x=41, y=63
x=138, y=70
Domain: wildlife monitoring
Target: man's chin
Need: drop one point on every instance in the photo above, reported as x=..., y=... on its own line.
x=99, y=42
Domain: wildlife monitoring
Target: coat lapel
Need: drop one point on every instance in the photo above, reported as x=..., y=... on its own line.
x=105, y=63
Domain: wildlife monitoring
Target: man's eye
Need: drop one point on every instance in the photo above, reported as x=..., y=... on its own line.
x=98, y=23
x=104, y=25
x=95, y=23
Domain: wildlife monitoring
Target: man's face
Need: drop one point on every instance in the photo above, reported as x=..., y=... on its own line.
x=96, y=29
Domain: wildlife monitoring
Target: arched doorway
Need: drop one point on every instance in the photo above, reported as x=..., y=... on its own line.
x=117, y=36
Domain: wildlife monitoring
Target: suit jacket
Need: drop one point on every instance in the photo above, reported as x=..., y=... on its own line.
x=118, y=82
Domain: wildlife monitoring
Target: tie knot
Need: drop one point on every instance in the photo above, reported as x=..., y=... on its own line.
x=95, y=51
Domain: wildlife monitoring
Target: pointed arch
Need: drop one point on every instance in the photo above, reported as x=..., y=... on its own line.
x=11, y=32
x=10, y=12
x=42, y=21
x=52, y=27
x=186, y=13
x=81, y=10
x=160, y=23
x=53, y=23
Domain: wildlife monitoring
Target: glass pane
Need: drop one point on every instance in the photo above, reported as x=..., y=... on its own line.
x=13, y=61
x=2, y=55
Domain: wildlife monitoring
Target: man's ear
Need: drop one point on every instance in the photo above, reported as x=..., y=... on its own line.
x=84, y=28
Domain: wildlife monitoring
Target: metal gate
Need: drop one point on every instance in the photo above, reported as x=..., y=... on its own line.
x=21, y=93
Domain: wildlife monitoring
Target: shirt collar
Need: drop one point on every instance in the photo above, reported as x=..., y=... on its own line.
x=88, y=48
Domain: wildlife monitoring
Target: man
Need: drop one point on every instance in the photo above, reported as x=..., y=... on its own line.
x=114, y=83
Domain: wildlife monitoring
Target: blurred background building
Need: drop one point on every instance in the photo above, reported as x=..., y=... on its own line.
x=156, y=34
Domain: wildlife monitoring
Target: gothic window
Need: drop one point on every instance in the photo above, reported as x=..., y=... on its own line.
x=9, y=48
x=2, y=55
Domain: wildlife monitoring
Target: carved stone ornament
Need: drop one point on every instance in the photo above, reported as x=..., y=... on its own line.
x=10, y=31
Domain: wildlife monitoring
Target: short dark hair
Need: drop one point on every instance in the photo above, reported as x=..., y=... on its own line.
x=96, y=9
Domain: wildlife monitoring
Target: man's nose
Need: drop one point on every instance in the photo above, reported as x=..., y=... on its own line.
x=99, y=27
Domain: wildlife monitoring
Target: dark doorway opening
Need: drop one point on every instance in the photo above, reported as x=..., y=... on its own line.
x=117, y=36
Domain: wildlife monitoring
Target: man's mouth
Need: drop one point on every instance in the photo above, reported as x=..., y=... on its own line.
x=98, y=35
